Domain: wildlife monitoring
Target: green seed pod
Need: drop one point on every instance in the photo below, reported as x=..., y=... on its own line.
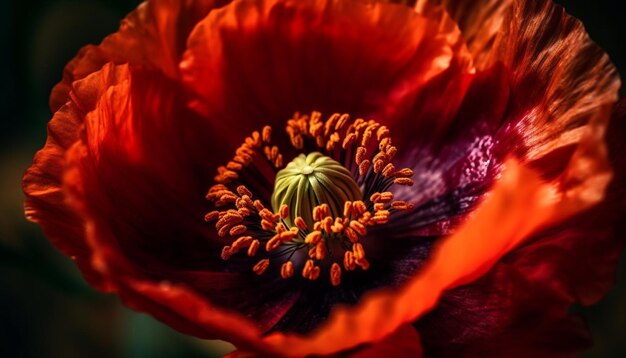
x=311, y=180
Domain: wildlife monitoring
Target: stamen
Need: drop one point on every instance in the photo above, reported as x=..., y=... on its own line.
x=261, y=266
x=335, y=274
x=286, y=270
x=322, y=202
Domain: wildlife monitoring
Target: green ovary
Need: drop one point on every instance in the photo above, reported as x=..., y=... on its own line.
x=311, y=180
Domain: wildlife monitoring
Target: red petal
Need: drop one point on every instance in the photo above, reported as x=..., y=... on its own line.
x=479, y=22
x=459, y=259
x=153, y=36
x=257, y=62
x=561, y=80
x=45, y=200
x=404, y=342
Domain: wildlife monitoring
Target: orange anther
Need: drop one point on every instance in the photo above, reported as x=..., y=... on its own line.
x=364, y=167
x=386, y=197
x=267, y=225
x=351, y=234
x=349, y=139
x=284, y=211
x=403, y=181
x=261, y=266
x=335, y=274
x=347, y=208
x=258, y=205
x=404, y=173
x=306, y=270
x=272, y=243
x=254, y=246
x=343, y=120
x=212, y=216
x=242, y=190
x=267, y=134
x=388, y=170
x=358, y=227
x=315, y=273
x=363, y=263
x=358, y=251
x=402, y=205
x=320, y=250
x=225, y=253
x=237, y=230
x=360, y=155
x=348, y=261
x=299, y=221
x=313, y=237
x=286, y=270
x=241, y=242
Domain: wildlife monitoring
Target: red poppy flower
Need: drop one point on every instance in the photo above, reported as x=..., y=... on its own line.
x=380, y=177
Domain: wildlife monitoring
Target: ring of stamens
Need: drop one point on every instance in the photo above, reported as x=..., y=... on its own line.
x=249, y=225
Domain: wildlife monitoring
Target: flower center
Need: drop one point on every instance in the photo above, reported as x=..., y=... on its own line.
x=311, y=180
x=322, y=202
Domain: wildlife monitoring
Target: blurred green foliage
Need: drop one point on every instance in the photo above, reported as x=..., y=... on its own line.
x=46, y=309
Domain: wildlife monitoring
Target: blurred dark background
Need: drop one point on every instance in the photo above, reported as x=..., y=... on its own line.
x=46, y=309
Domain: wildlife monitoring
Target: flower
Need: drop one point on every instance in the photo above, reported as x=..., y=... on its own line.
x=454, y=217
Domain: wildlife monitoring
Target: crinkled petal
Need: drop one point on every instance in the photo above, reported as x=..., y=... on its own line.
x=138, y=177
x=479, y=22
x=560, y=80
x=42, y=183
x=153, y=36
x=460, y=259
x=258, y=62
